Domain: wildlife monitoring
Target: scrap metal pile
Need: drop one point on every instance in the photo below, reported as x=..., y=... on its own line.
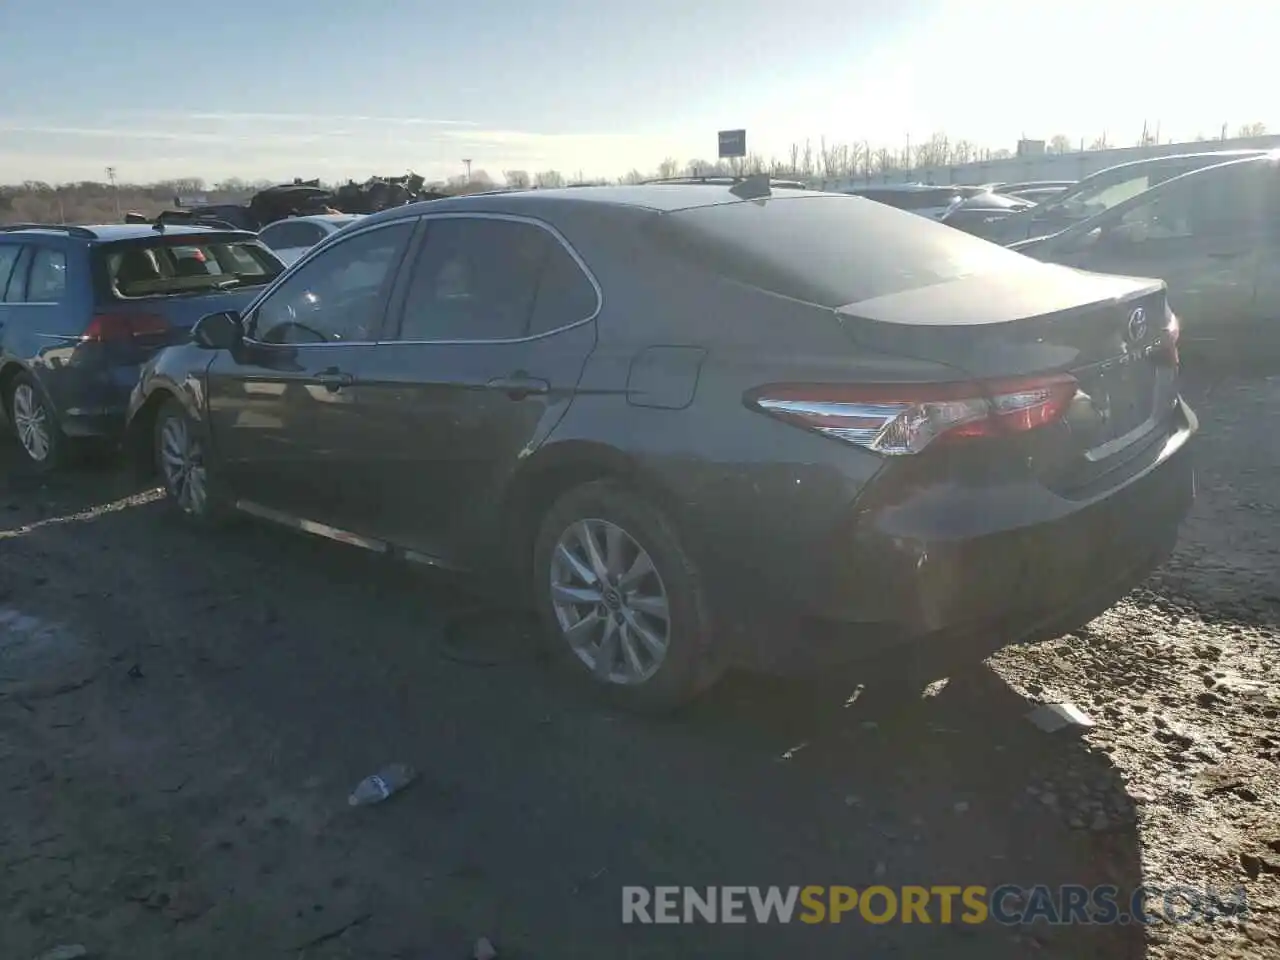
x=308, y=197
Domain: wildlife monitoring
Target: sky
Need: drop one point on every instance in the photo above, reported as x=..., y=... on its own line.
x=336, y=89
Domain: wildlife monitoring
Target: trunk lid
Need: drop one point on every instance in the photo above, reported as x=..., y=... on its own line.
x=1108, y=332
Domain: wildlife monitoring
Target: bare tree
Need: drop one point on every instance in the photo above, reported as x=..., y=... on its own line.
x=806, y=160
x=885, y=160
x=1101, y=143
x=547, y=179
x=1252, y=130
x=1002, y=154
x=934, y=152
x=517, y=179
x=1060, y=144
x=962, y=151
x=668, y=168
x=795, y=158
x=633, y=177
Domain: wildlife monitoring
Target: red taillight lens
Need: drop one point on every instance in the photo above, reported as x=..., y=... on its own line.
x=124, y=326
x=899, y=419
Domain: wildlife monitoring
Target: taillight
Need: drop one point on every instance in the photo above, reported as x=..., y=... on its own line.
x=899, y=419
x=1172, y=331
x=124, y=326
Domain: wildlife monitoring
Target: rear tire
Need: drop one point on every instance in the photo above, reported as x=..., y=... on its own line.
x=35, y=422
x=621, y=601
x=179, y=450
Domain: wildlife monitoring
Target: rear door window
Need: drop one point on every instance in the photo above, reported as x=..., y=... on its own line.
x=478, y=279
x=826, y=250
x=290, y=236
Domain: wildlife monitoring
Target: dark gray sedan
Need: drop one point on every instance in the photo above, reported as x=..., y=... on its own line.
x=699, y=425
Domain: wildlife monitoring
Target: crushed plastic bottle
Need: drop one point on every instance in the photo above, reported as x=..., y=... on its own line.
x=378, y=786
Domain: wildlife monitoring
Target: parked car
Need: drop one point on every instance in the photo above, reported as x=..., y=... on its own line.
x=965, y=212
x=81, y=308
x=699, y=426
x=1210, y=234
x=1036, y=191
x=1093, y=195
x=289, y=239
x=919, y=198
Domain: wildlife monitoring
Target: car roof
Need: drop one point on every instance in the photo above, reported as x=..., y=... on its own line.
x=108, y=232
x=657, y=197
x=320, y=218
x=1208, y=155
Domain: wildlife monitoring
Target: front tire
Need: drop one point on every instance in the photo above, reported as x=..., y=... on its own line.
x=181, y=465
x=620, y=599
x=36, y=424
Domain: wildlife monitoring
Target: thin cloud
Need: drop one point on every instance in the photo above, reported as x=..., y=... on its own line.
x=302, y=118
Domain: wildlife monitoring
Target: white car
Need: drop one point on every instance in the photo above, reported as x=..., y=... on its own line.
x=289, y=239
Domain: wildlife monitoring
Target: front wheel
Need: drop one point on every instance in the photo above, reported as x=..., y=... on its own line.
x=621, y=600
x=181, y=464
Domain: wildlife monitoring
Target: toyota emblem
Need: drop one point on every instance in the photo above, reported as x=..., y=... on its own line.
x=1137, y=325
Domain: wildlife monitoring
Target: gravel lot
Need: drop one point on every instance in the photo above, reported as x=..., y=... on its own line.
x=182, y=716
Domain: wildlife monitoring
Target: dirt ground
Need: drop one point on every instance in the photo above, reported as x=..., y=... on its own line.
x=183, y=715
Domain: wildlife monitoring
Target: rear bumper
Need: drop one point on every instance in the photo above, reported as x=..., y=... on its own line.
x=95, y=404
x=902, y=583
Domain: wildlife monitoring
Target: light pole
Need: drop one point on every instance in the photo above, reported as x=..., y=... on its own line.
x=115, y=189
x=468, y=165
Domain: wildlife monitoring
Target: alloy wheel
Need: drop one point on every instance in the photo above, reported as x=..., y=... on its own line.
x=31, y=421
x=182, y=461
x=610, y=602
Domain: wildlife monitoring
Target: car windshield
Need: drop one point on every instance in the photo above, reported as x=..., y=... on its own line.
x=828, y=250
x=183, y=265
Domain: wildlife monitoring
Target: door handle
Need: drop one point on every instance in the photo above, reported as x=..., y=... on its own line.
x=519, y=385
x=334, y=379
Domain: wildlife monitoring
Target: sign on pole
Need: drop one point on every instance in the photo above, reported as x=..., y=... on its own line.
x=733, y=143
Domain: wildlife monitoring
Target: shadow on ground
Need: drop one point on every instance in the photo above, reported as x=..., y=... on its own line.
x=189, y=797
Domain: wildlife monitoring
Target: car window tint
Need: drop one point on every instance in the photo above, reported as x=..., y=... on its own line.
x=565, y=294
x=337, y=296
x=47, y=281
x=8, y=258
x=827, y=250
x=475, y=279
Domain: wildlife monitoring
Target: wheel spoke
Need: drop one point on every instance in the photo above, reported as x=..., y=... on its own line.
x=608, y=651
x=580, y=569
x=640, y=568
x=577, y=596
x=655, y=646
x=579, y=635
x=588, y=540
x=613, y=548
x=652, y=606
x=629, y=652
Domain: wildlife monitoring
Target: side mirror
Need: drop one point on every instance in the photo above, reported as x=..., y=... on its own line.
x=218, y=331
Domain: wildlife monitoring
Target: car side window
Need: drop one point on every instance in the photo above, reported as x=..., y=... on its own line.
x=338, y=296
x=47, y=281
x=16, y=290
x=476, y=279
x=8, y=259
x=1213, y=204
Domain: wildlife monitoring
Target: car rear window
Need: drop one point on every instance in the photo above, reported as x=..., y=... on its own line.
x=180, y=265
x=827, y=250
